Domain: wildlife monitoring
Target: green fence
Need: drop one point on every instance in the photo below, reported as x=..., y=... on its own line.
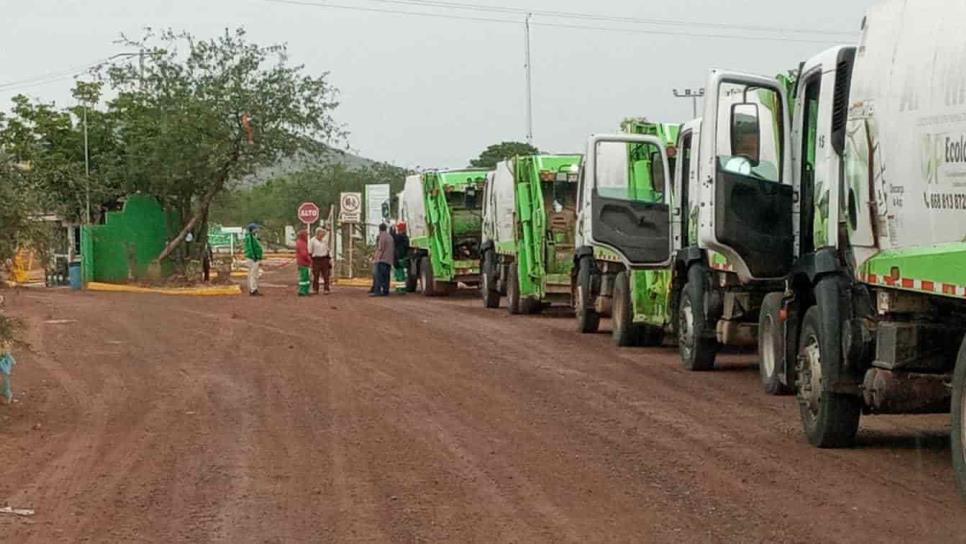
x=124, y=247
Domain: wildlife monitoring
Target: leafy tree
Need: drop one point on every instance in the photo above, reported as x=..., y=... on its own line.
x=48, y=144
x=501, y=152
x=17, y=228
x=197, y=116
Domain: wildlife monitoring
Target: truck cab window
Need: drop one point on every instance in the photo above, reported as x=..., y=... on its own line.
x=628, y=171
x=809, y=121
x=749, y=132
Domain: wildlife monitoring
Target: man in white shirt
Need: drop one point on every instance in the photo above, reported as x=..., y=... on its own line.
x=321, y=260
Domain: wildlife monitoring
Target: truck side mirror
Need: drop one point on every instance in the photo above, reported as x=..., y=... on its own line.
x=746, y=132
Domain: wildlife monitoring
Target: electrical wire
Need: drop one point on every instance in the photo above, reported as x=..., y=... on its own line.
x=608, y=18
x=51, y=77
x=393, y=11
x=553, y=25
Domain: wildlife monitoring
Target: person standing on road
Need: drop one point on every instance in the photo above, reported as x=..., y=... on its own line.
x=321, y=260
x=401, y=249
x=253, y=257
x=383, y=260
x=304, y=261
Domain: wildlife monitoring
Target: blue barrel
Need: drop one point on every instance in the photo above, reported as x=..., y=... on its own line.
x=74, y=273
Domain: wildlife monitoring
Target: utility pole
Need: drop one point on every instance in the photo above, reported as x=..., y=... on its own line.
x=87, y=168
x=526, y=35
x=694, y=95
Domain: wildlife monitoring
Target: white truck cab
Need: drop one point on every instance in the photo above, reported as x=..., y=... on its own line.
x=872, y=312
x=624, y=224
x=760, y=171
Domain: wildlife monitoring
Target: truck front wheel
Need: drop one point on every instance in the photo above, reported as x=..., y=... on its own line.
x=830, y=420
x=771, y=345
x=958, y=443
x=491, y=296
x=696, y=341
x=623, y=330
x=588, y=320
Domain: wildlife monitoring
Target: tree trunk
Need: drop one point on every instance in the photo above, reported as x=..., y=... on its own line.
x=200, y=216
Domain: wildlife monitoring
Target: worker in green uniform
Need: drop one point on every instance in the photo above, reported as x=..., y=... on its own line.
x=253, y=257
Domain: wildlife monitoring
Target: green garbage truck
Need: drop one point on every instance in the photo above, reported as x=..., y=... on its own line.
x=714, y=305
x=623, y=246
x=443, y=211
x=529, y=213
x=861, y=220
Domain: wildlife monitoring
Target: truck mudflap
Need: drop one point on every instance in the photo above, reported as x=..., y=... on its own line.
x=834, y=300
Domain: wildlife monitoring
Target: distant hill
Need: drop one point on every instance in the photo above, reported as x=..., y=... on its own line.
x=326, y=155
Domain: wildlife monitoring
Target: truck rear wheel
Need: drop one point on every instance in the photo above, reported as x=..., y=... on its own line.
x=491, y=296
x=623, y=330
x=958, y=442
x=696, y=341
x=588, y=320
x=412, y=274
x=651, y=336
x=530, y=305
x=426, y=277
x=512, y=290
x=771, y=345
x=830, y=420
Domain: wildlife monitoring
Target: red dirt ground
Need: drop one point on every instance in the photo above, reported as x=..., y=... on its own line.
x=406, y=419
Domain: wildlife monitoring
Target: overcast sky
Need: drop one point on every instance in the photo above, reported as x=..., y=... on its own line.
x=430, y=92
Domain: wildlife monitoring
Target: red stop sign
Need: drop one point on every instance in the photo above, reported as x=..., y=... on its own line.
x=308, y=213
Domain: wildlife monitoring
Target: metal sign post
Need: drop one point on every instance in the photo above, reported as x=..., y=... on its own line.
x=350, y=213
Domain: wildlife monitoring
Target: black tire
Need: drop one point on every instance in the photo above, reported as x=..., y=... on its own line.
x=623, y=330
x=588, y=320
x=412, y=275
x=958, y=435
x=530, y=305
x=830, y=420
x=771, y=345
x=512, y=290
x=426, y=276
x=696, y=338
x=488, y=290
x=652, y=336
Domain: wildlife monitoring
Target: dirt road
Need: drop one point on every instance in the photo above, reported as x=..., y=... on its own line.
x=146, y=418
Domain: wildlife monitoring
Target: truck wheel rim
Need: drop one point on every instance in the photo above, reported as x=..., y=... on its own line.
x=810, y=376
x=686, y=327
x=768, y=353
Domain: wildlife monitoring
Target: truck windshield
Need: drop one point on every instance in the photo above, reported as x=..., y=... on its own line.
x=630, y=171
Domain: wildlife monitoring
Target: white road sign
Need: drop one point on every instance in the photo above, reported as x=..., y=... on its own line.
x=350, y=208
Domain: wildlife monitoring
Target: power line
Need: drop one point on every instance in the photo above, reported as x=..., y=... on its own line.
x=688, y=34
x=552, y=25
x=51, y=77
x=609, y=18
x=395, y=11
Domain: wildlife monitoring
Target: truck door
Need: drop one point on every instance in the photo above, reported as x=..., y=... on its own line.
x=684, y=203
x=746, y=195
x=634, y=223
